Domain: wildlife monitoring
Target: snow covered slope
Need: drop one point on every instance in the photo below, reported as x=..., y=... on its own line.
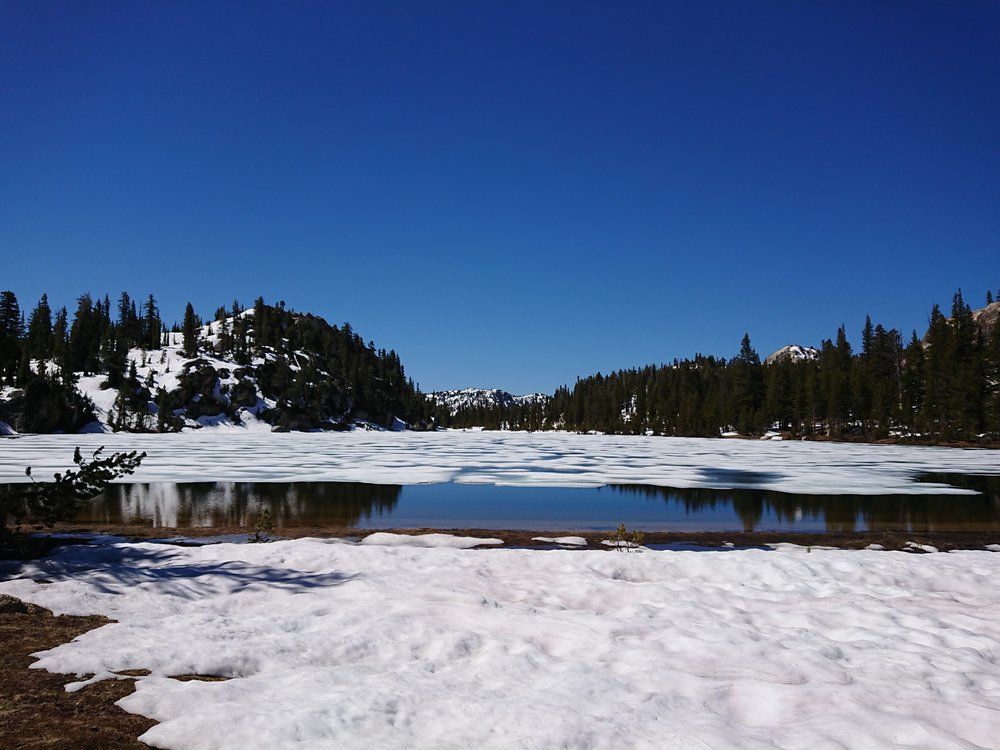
x=170, y=368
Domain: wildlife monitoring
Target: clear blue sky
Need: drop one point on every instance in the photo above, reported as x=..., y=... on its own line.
x=509, y=194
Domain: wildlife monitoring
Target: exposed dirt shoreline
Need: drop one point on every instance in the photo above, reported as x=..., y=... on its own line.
x=890, y=540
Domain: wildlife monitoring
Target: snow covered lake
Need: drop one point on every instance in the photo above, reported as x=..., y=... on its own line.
x=510, y=458
x=541, y=481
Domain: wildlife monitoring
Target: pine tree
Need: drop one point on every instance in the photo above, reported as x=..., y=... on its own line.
x=39, y=342
x=965, y=396
x=84, y=337
x=938, y=369
x=991, y=372
x=913, y=387
x=11, y=330
x=748, y=388
x=60, y=345
x=190, y=330
x=151, y=324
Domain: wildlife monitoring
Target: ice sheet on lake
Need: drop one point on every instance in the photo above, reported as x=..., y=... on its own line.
x=540, y=459
x=355, y=646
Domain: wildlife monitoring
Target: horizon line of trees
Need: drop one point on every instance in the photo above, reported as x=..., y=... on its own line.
x=945, y=386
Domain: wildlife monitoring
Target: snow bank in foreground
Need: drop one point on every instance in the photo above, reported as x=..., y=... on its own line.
x=336, y=645
x=539, y=459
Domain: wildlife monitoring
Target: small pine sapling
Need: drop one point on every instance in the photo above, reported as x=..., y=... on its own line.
x=262, y=528
x=625, y=540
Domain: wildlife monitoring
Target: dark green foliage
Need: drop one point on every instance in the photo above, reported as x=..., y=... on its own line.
x=39, y=335
x=262, y=527
x=11, y=331
x=49, y=502
x=166, y=420
x=190, y=330
x=47, y=404
x=149, y=332
x=319, y=373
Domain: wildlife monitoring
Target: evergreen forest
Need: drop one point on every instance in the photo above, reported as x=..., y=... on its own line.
x=295, y=371
x=942, y=387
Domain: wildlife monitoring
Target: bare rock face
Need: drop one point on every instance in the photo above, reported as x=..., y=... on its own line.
x=986, y=318
x=244, y=393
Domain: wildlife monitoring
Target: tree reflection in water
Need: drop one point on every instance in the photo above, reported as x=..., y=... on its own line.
x=847, y=513
x=220, y=504
x=347, y=504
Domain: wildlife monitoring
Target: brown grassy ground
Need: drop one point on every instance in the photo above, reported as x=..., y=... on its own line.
x=36, y=712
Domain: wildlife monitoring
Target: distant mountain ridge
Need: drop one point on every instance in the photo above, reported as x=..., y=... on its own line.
x=794, y=352
x=481, y=398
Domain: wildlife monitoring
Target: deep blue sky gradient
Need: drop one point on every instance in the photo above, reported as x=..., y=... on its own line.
x=509, y=194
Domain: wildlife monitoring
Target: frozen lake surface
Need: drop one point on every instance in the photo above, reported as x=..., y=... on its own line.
x=514, y=459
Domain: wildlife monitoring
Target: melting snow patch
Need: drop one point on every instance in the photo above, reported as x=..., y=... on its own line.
x=915, y=547
x=630, y=546
x=386, y=539
x=566, y=541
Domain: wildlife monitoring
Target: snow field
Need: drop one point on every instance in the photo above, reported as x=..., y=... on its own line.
x=337, y=645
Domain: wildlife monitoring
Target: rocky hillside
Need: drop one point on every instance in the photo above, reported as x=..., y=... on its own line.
x=986, y=318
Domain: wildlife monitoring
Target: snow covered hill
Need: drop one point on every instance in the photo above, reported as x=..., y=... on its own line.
x=285, y=372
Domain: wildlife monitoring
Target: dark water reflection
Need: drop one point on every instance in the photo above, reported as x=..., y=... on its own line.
x=235, y=504
x=220, y=504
